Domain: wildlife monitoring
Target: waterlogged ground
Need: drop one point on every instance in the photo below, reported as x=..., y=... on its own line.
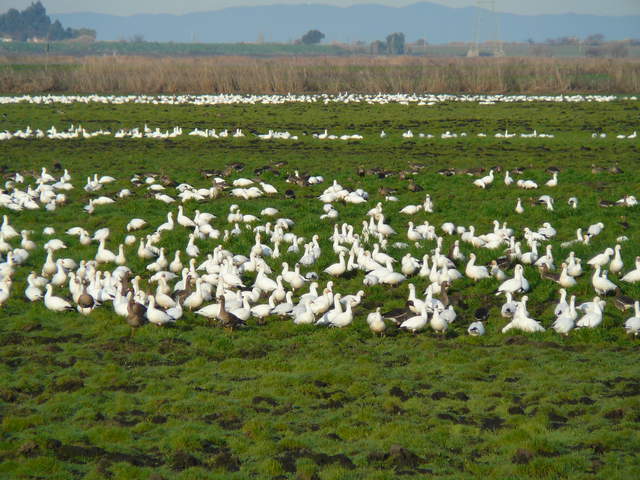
x=80, y=398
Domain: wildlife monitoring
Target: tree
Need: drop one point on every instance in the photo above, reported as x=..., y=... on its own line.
x=312, y=37
x=395, y=43
x=378, y=47
x=32, y=22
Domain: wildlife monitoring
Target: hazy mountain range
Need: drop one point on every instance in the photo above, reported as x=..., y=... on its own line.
x=283, y=23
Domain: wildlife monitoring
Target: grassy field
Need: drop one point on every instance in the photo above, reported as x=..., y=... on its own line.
x=164, y=49
x=79, y=398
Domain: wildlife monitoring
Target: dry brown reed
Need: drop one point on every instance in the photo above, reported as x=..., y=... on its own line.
x=210, y=75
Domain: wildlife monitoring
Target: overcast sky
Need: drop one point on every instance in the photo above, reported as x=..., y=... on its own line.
x=129, y=7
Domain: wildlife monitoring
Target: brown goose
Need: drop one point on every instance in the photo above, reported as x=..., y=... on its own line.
x=181, y=295
x=228, y=319
x=85, y=301
x=136, y=316
x=622, y=302
x=414, y=187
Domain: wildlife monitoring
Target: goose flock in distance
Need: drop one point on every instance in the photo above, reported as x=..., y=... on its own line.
x=79, y=132
x=277, y=273
x=380, y=98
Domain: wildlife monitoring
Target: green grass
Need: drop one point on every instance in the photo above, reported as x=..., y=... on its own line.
x=80, y=399
x=169, y=49
x=276, y=49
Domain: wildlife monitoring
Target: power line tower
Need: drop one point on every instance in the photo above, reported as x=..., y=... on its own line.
x=487, y=21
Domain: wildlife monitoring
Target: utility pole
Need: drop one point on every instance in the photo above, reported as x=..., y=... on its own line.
x=486, y=13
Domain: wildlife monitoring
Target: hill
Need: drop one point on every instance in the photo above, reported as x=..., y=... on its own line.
x=283, y=23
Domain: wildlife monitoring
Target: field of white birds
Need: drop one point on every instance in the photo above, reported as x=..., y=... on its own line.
x=209, y=287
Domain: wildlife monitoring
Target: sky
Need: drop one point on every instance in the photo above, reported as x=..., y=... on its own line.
x=129, y=7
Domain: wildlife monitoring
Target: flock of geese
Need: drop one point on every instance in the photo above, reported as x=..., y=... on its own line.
x=213, y=278
x=378, y=99
x=79, y=132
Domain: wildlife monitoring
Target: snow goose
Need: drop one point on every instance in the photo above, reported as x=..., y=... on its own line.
x=5, y=290
x=135, y=224
x=322, y=303
x=33, y=292
x=616, y=264
x=562, y=306
x=120, y=258
x=565, y=322
x=509, y=307
x=593, y=315
x=632, y=325
x=516, y=284
x=103, y=255
x=26, y=242
x=344, y=318
x=521, y=320
x=56, y=304
x=6, y=229
x=438, y=323
x=553, y=182
x=574, y=265
x=305, y=316
x=416, y=323
x=337, y=269
x=353, y=300
x=595, y=229
x=411, y=209
x=601, y=259
x=519, y=209
x=263, y=310
x=329, y=314
x=382, y=228
x=546, y=261
x=601, y=283
x=633, y=276
x=49, y=267
x=264, y=283
x=157, y=316
x=293, y=278
x=201, y=293
x=376, y=322
x=475, y=272
x=476, y=329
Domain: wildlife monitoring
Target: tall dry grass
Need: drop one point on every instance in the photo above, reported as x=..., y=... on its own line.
x=132, y=75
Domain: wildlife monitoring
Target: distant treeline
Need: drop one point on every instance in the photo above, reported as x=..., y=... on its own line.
x=34, y=24
x=245, y=75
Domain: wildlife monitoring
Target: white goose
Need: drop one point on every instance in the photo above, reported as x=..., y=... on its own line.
x=475, y=272
x=601, y=283
x=566, y=321
x=593, y=315
x=376, y=322
x=157, y=316
x=633, y=276
x=56, y=304
x=438, y=323
x=521, y=321
x=616, y=264
x=337, y=269
x=516, y=284
x=476, y=329
x=417, y=323
x=306, y=316
x=632, y=325
x=344, y=318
